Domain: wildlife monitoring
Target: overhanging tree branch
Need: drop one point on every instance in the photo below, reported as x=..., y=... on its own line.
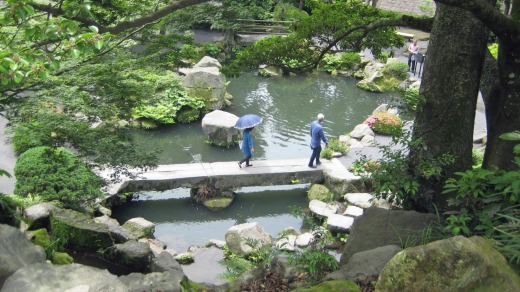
x=501, y=25
x=126, y=25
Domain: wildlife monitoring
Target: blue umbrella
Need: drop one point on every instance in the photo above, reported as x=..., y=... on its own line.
x=248, y=121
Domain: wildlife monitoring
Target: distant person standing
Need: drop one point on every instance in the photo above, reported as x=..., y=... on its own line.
x=247, y=147
x=317, y=136
x=413, y=49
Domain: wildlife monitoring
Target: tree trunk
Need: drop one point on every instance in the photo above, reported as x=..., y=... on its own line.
x=503, y=108
x=450, y=86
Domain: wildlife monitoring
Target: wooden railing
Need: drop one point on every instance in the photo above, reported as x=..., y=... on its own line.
x=250, y=26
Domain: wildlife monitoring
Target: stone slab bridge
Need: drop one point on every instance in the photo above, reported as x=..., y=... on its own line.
x=228, y=176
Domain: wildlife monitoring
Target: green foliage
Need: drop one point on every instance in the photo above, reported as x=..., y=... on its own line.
x=284, y=11
x=56, y=175
x=412, y=98
x=350, y=59
x=383, y=56
x=336, y=146
x=334, y=62
x=8, y=211
x=493, y=49
x=477, y=156
x=237, y=265
x=396, y=69
x=487, y=203
x=393, y=180
x=315, y=261
x=327, y=153
x=164, y=107
x=313, y=36
x=211, y=49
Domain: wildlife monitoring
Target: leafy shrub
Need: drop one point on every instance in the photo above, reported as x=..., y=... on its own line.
x=488, y=202
x=327, y=153
x=397, y=69
x=56, y=175
x=477, y=156
x=350, y=59
x=411, y=96
x=164, y=107
x=383, y=56
x=211, y=49
x=493, y=49
x=337, y=146
x=287, y=12
x=385, y=123
x=331, y=62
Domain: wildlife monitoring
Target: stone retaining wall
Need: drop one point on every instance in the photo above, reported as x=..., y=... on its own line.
x=405, y=6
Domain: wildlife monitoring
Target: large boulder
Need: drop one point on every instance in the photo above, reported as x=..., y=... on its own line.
x=119, y=233
x=140, y=226
x=45, y=277
x=364, y=264
x=16, y=252
x=454, y=264
x=320, y=192
x=164, y=262
x=38, y=215
x=239, y=237
x=135, y=255
x=79, y=232
x=171, y=280
x=219, y=126
x=361, y=131
x=380, y=227
x=205, y=82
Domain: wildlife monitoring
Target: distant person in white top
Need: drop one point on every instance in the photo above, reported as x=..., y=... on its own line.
x=413, y=49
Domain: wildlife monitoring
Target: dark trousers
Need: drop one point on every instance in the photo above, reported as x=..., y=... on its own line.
x=246, y=159
x=315, y=155
x=411, y=63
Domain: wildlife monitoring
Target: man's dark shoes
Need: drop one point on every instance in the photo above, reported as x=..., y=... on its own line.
x=249, y=165
x=239, y=164
x=318, y=163
x=312, y=166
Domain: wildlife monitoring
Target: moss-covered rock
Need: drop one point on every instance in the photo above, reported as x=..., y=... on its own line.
x=61, y=258
x=333, y=286
x=41, y=237
x=141, y=227
x=320, y=192
x=217, y=204
x=454, y=264
x=185, y=258
x=79, y=232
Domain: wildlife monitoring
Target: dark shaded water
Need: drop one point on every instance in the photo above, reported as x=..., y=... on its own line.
x=288, y=106
x=180, y=222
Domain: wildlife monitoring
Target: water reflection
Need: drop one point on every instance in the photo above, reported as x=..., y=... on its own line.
x=288, y=106
x=180, y=222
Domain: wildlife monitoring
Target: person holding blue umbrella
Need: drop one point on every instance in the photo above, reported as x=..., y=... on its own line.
x=247, y=147
x=248, y=123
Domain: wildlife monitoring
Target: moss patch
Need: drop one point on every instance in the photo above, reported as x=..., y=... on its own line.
x=320, y=192
x=61, y=258
x=333, y=286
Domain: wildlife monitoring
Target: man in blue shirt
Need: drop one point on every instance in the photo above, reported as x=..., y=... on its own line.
x=317, y=136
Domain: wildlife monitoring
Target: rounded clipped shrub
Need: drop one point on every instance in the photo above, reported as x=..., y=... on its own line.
x=56, y=175
x=385, y=123
x=397, y=69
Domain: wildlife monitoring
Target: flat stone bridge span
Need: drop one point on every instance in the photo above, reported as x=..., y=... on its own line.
x=227, y=175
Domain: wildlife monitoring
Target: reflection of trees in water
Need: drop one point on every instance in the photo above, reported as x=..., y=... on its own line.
x=245, y=206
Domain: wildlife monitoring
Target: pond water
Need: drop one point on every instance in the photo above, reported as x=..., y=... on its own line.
x=287, y=104
x=180, y=222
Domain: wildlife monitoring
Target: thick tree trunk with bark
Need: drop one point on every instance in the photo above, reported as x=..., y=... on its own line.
x=503, y=108
x=450, y=85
